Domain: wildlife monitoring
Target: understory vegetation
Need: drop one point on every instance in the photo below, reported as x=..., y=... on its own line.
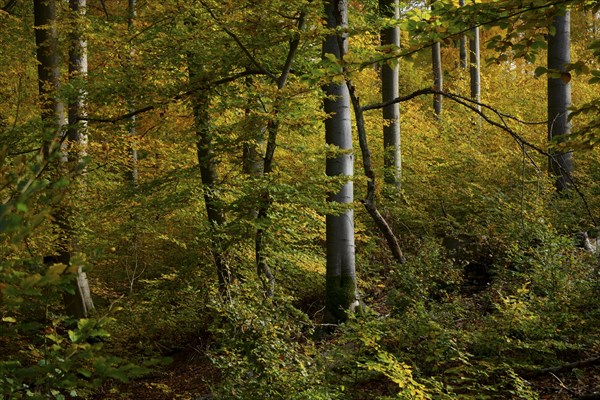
x=497, y=298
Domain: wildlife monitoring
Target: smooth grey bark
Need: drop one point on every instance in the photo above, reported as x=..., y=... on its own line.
x=392, y=156
x=207, y=163
x=463, y=44
x=80, y=303
x=475, y=66
x=341, y=291
x=133, y=169
x=438, y=77
x=560, y=164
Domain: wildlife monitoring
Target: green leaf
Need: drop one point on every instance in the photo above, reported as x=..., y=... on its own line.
x=539, y=71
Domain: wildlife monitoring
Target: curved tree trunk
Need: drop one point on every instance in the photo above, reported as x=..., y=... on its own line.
x=341, y=292
x=559, y=100
x=392, y=156
x=369, y=201
x=208, y=174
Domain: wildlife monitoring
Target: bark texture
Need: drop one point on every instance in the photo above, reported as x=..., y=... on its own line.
x=208, y=174
x=392, y=159
x=475, y=67
x=438, y=77
x=369, y=201
x=46, y=37
x=341, y=291
x=80, y=303
x=559, y=100
x=133, y=169
x=463, y=45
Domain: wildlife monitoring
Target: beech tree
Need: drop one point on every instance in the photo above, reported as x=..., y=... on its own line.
x=559, y=98
x=438, y=77
x=78, y=303
x=46, y=37
x=133, y=172
x=462, y=44
x=341, y=292
x=475, y=66
x=392, y=156
x=208, y=169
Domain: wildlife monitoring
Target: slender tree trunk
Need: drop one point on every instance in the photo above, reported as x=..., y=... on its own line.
x=133, y=169
x=341, y=292
x=79, y=304
x=475, y=67
x=392, y=156
x=263, y=269
x=438, y=77
x=370, y=201
x=253, y=148
x=463, y=45
x=208, y=174
x=52, y=111
x=559, y=100
x=53, y=118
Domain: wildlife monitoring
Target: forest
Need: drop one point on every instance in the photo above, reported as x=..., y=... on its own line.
x=300, y=199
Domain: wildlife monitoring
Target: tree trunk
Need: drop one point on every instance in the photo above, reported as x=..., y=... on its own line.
x=475, y=67
x=341, y=292
x=559, y=100
x=369, y=201
x=438, y=78
x=262, y=266
x=254, y=143
x=392, y=156
x=133, y=168
x=208, y=174
x=463, y=44
x=52, y=111
x=80, y=303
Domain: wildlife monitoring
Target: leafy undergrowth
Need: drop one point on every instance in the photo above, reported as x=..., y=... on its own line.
x=436, y=328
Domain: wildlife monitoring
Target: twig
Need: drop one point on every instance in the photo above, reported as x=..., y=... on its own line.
x=171, y=100
x=562, y=385
x=466, y=30
x=474, y=105
x=237, y=40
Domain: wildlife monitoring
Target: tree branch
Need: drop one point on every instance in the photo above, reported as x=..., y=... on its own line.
x=472, y=105
x=9, y=6
x=177, y=97
x=463, y=31
x=237, y=40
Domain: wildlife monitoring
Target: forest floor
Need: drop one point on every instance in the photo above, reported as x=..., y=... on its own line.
x=187, y=377
x=183, y=379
